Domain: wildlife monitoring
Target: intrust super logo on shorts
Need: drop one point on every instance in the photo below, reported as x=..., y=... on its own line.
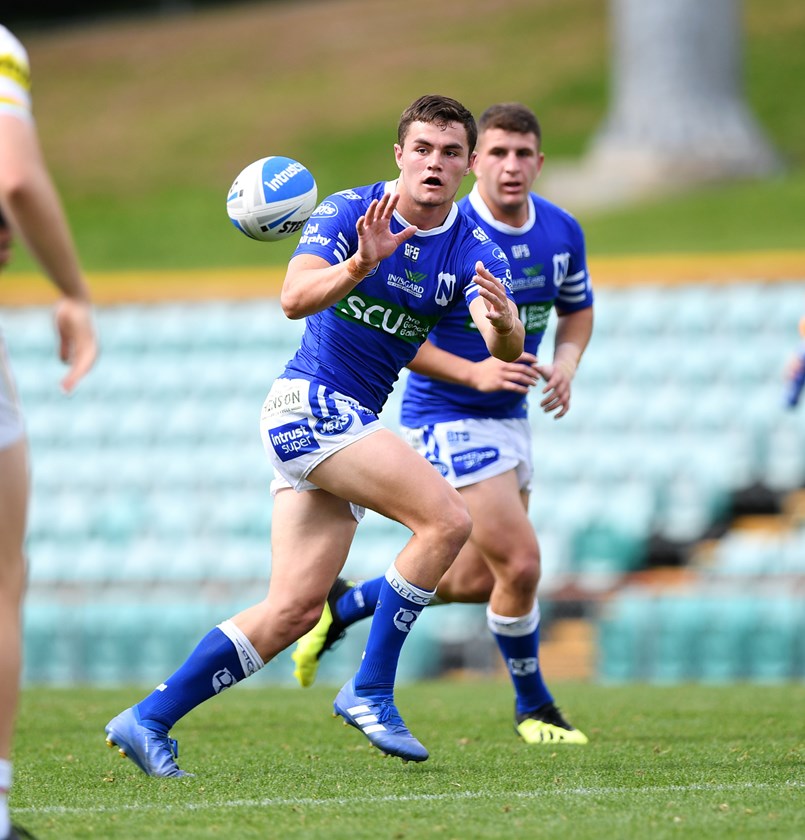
x=292, y=440
x=474, y=459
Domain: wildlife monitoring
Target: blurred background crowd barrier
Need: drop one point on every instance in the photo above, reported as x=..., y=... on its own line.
x=669, y=501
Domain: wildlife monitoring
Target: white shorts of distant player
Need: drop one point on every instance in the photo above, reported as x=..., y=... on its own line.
x=469, y=451
x=302, y=423
x=11, y=423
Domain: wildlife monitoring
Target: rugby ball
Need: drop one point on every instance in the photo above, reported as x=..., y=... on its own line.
x=272, y=198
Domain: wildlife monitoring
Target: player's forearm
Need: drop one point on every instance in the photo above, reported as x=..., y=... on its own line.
x=506, y=346
x=38, y=218
x=32, y=204
x=436, y=363
x=311, y=284
x=573, y=333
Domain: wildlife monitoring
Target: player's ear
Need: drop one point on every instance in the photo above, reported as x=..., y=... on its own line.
x=471, y=162
x=540, y=161
x=398, y=155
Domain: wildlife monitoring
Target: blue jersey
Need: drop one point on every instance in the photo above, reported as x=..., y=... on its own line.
x=549, y=268
x=359, y=345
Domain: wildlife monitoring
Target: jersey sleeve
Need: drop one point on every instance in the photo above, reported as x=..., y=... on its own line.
x=330, y=231
x=575, y=291
x=15, y=77
x=494, y=259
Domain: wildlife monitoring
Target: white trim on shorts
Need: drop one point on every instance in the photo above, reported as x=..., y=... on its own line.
x=472, y=450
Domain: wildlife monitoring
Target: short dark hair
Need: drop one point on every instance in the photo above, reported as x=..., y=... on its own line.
x=438, y=110
x=511, y=116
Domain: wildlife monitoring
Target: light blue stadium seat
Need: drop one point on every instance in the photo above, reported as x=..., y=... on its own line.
x=679, y=621
x=723, y=645
x=784, y=462
x=754, y=554
x=50, y=643
x=693, y=308
x=644, y=312
x=555, y=560
x=606, y=549
x=693, y=365
x=621, y=638
x=776, y=639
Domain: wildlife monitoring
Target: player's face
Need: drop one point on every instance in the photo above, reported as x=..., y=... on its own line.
x=506, y=166
x=433, y=161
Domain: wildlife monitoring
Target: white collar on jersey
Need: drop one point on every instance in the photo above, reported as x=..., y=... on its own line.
x=391, y=186
x=485, y=213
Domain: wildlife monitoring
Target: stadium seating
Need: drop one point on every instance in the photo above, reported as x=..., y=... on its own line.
x=717, y=634
x=150, y=486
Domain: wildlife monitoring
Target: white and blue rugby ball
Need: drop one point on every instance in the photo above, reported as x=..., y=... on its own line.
x=272, y=198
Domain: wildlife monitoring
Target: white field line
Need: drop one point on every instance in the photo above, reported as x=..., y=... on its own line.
x=340, y=802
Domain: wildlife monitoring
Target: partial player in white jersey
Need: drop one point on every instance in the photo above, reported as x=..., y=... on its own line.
x=375, y=269
x=30, y=208
x=467, y=414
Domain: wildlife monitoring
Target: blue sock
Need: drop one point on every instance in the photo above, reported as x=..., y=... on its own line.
x=518, y=640
x=398, y=607
x=222, y=658
x=360, y=601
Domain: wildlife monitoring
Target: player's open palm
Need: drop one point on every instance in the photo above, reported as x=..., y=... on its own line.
x=375, y=238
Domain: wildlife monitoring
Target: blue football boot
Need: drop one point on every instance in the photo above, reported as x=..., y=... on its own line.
x=152, y=751
x=380, y=722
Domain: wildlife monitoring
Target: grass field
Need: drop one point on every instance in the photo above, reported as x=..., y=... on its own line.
x=682, y=761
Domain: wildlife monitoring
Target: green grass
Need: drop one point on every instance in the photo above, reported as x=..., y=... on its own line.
x=692, y=760
x=146, y=122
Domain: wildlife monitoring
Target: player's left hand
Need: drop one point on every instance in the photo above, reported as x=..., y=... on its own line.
x=78, y=346
x=492, y=374
x=557, y=389
x=493, y=292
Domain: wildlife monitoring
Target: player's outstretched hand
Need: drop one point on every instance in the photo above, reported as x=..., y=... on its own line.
x=494, y=296
x=494, y=375
x=557, y=389
x=78, y=346
x=375, y=239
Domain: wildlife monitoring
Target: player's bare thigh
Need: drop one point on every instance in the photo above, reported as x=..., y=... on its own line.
x=385, y=474
x=487, y=556
x=502, y=530
x=311, y=534
x=14, y=488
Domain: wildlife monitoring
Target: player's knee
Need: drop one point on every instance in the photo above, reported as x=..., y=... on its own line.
x=299, y=614
x=523, y=572
x=456, y=525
